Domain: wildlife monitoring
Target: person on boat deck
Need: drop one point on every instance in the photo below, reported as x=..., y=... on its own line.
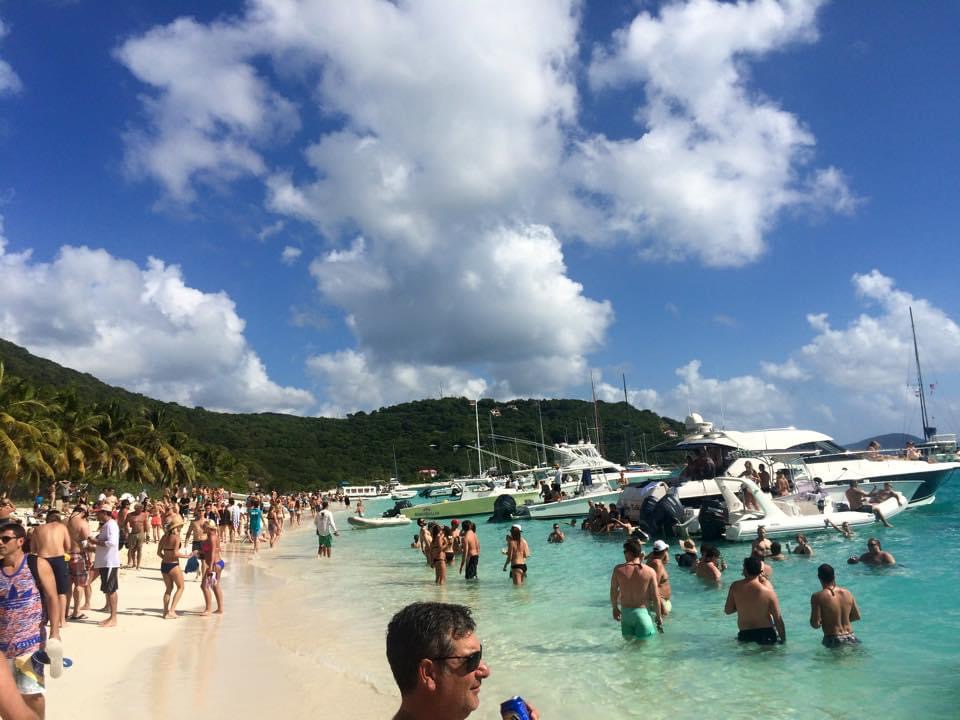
x=705, y=468
x=857, y=499
x=885, y=493
x=844, y=528
x=756, y=605
x=749, y=472
x=689, y=471
x=747, y=498
x=437, y=662
x=873, y=451
x=803, y=547
x=910, y=452
x=782, y=486
x=874, y=555
x=544, y=491
x=834, y=609
x=764, y=479
x=557, y=478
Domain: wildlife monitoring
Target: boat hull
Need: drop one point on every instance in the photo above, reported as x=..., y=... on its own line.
x=371, y=523
x=464, y=508
x=571, y=507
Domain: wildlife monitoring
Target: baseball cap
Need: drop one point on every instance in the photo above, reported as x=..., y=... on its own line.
x=454, y=522
x=517, y=527
x=660, y=546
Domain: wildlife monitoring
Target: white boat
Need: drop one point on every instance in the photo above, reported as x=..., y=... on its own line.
x=355, y=492
x=637, y=472
x=575, y=506
x=810, y=454
x=403, y=494
x=377, y=522
x=785, y=517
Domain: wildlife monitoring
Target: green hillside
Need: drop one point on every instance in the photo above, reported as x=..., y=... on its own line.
x=285, y=451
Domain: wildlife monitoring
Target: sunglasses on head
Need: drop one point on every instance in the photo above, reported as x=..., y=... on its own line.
x=471, y=661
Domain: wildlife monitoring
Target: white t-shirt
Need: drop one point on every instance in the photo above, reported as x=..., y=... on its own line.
x=324, y=523
x=108, y=555
x=235, y=514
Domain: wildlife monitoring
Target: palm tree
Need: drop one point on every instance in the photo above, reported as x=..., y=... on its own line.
x=26, y=435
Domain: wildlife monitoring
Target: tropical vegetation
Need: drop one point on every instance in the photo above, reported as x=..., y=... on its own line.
x=57, y=424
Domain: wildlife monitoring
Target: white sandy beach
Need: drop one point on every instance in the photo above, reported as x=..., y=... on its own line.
x=217, y=666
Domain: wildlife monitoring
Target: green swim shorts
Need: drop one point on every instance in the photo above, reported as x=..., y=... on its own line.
x=325, y=540
x=636, y=623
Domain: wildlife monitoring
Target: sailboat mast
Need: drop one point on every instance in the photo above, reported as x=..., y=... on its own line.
x=596, y=415
x=476, y=417
x=923, y=399
x=542, y=442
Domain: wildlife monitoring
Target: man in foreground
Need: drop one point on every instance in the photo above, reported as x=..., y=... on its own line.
x=22, y=617
x=437, y=662
x=326, y=529
x=756, y=605
x=834, y=609
x=633, y=590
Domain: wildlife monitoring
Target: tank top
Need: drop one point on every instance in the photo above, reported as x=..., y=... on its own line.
x=21, y=613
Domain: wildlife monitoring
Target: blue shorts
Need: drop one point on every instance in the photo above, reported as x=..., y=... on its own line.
x=636, y=623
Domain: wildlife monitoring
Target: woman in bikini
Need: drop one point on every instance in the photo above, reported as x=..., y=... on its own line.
x=169, y=551
x=212, y=569
x=438, y=554
x=274, y=518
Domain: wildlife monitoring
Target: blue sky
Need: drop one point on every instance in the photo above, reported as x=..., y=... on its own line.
x=324, y=207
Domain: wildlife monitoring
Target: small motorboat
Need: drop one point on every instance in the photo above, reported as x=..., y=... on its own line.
x=403, y=494
x=366, y=523
x=783, y=517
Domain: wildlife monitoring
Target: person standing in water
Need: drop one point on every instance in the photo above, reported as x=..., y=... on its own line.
x=756, y=605
x=471, y=550
x=634, y=594
x=834, y=609
x=517, y=553
x=658, y=561
x=326, y=529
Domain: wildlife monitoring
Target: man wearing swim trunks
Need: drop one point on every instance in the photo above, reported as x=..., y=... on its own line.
x=834, y=609
x=471, y=550
x=107, y=561
x=326, y=528
x=634, y=594
x=79, y=527
x=51, y=541
x=756, y=605
x=137, y=523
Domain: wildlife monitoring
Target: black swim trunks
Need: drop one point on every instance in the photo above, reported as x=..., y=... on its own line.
x=522, y=567
x=109, y=580
x=472, y=562
x=761, y=636
x=61, y=573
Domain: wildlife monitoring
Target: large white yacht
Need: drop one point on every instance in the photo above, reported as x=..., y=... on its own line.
x=811, y=454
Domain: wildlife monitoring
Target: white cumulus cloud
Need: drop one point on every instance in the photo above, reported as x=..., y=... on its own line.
x=142, y=328
x=9, y=80
x=290, y=254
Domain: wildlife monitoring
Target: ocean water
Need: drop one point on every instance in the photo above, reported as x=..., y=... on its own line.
x=554, y=641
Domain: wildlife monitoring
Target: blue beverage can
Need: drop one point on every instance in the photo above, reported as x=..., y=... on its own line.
x=514, y=709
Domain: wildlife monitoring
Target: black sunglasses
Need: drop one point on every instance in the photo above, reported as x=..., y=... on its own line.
x=7, y=538
x=471, y=661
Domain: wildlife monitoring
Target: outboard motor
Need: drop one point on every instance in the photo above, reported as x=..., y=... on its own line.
x=667, y=515
x=395, y=510
x=503, y=509
x=713, y=519
x=648, y=512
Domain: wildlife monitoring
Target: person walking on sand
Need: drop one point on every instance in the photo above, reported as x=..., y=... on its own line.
x=79, y=528
x=437, y=662
x=212, y=569
x=634, y=595
x=51, y=541
x=756, y=605
x=834, y=609
x=517, y=553
x=106, y=561
x=138, y=523
x=255, y=523
x=326, y=529
x=26, y=583
x=471, y=550
x=169, y=551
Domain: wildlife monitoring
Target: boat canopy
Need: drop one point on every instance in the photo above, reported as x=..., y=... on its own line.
x=764, y=441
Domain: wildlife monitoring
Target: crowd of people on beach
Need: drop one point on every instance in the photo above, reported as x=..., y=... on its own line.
x=52, y=557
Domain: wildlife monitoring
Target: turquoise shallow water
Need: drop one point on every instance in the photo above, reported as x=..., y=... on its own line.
x=555, y=642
